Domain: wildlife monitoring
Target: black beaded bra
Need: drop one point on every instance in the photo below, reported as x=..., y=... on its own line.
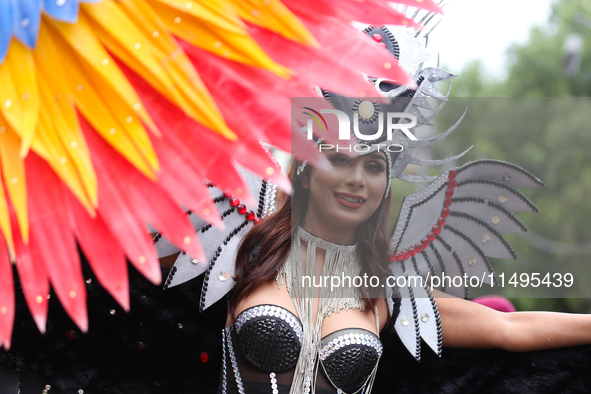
x=269, y=338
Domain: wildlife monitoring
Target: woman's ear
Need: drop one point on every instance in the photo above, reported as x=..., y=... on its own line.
x=305, y=182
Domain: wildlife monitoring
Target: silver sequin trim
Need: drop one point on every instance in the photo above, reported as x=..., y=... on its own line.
x=233, y=361
x=351, y=339
x=273, y=311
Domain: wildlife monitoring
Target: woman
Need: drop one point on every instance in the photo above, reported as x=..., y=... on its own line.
x=268, y=310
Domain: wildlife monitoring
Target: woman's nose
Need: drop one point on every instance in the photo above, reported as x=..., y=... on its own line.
x=356, y=178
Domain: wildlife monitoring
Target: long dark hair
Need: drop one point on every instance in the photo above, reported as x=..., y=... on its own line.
x=269, y=242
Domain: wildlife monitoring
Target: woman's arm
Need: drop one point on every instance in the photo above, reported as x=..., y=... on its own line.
x=468, y=324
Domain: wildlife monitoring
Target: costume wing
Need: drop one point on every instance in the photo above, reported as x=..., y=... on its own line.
x=445, y=234
x=219, y=244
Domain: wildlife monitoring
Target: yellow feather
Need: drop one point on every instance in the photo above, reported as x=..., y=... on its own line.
x=217, y=12
x=58, y=157
x=82, y=39
x=112, y=22
x=150, y=24
x=19, y=97
x=5, y=222
x=93, y=105
x=138, y=52
x=71, y=160
x=205, y=34
x=154, y=76
x=274, y=16
x=5, y=228
x=13, y=171
x=195, y=95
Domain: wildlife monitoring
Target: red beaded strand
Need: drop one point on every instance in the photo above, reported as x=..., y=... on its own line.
x=405, y=254
x=242, y=209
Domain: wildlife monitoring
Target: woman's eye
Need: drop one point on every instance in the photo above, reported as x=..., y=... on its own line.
x=339, y=160
x=373, y=167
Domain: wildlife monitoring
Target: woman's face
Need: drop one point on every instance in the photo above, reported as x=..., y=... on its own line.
x=350, y=193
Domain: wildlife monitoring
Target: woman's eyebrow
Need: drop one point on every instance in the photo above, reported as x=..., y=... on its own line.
x=375, y=155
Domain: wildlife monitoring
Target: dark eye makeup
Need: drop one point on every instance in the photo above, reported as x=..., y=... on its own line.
x=338, y=159
x=375, y=167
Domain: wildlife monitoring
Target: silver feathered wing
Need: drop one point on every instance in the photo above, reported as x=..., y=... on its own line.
x=449, y=229
x=219, y=245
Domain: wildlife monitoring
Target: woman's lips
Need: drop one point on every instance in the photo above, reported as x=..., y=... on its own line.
x=347, y=200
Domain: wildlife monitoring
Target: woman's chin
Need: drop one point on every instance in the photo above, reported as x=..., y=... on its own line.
x=348, y=219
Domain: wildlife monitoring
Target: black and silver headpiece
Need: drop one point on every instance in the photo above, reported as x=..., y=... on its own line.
x=369, y=116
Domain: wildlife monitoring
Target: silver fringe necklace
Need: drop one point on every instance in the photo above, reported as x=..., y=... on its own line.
x=339, y=260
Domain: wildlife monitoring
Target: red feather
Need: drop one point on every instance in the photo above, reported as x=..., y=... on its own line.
x=319, y=66
x=376, y=14
x=207, y=152
x=179, y=174
x=157, y=208
x=51, y=240
x=252, y=156
x=350, y=10
x=116, y=207
x=33, y=277
x=102, y=249
x=316, y=9
x=255, y=102
x=427, y=5
x=6, y=295
x=357, y=49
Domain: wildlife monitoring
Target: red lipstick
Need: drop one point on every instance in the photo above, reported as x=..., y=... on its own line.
x=345, y=200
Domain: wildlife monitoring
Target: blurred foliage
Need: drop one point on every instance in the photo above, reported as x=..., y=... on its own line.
x=540, y=119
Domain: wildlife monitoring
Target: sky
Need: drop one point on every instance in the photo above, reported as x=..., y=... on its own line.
x=482, y=29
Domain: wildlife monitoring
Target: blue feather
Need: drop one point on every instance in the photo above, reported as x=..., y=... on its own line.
x=28, y=19
x=62, y=10
x=6, y=26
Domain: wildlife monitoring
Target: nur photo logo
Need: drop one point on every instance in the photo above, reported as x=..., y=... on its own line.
x=389, y=126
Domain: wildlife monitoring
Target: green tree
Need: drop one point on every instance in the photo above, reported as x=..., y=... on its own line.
x=532, y=118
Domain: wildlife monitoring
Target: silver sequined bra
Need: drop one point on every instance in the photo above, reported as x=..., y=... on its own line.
x=269, y=337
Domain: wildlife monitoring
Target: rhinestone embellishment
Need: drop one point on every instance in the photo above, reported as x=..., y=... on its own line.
x=273, y=383
x=270, y=197
x=225, y=332
x=366, y=109
x=233, y=360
